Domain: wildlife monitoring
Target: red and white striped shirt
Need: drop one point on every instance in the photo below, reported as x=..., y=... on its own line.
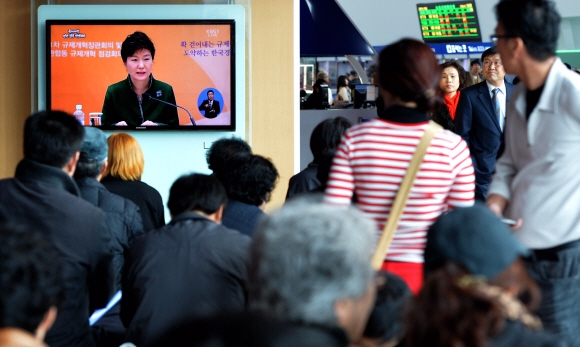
x=371, y=161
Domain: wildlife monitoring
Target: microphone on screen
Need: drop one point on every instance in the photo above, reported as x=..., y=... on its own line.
x=170, y=104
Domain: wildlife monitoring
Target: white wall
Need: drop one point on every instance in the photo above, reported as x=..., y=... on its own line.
x=385, y=21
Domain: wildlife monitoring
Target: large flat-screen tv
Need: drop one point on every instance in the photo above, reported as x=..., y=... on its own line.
x=190, y=77
x=449, y=21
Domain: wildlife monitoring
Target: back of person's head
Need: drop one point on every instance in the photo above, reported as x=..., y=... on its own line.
x=196, y=192
x=125, y=157
x=93, y=155
x=249, y=178
x=223, y=149
x=30, y=278
x=489, y=52
x=460, y=71
x=136, y=42
x=385, y=324
x=52, y=138
x=305, y=258
x=326, y=136
x=322, y=75
x=408, y=69
x=475, y=280
x=536, y=22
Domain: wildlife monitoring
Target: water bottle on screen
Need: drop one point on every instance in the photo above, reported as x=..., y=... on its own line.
x=79, y=114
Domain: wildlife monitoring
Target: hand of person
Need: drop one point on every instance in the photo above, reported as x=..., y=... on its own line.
x=149, y=123
x=121, y=124
x=497, y=204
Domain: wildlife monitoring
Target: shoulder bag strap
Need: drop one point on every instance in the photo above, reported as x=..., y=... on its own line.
x=402, y=195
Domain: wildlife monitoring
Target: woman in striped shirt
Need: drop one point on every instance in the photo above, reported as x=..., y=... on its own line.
x=373, y=158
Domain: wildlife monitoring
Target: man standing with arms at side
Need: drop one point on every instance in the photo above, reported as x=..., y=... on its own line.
x=43, y=196
x=537, y=177
x=480, y=119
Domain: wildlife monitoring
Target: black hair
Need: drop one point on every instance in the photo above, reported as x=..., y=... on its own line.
x=386, y=319
x=136, y=42
x=475, y=61
x=196, y=192
x=536, y=22
x=488, y=52
x=52, y=137
x=30, y=277
x=249, y=178
x=209, y=91
x=326, y=136
x=91, y=170
x=223, y=149
x=324, y=166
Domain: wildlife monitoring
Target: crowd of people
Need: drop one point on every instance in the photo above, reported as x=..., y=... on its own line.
x=80, y=231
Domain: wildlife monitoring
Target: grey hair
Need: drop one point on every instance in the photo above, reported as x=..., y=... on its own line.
x=307, y=256
x=322, y=74
x=91, y=170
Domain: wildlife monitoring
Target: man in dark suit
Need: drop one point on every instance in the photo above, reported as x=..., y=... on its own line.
x=43, y=196
x=210, y=106
x=480, y=119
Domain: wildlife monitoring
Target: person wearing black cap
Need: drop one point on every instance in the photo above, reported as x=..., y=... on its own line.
x=477, y=291
x=123, y=216
x=123, y=221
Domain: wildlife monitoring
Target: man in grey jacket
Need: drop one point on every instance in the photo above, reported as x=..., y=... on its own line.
x=537, y=179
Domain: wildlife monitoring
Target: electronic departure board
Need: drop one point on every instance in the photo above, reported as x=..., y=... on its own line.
x=449, y=21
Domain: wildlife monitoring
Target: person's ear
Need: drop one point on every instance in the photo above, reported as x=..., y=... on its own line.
x=219, y=214
x=71, y=166
x=103, y=169
x=46, y=323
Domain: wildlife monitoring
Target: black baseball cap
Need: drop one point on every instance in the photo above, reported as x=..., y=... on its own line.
x=475, y=238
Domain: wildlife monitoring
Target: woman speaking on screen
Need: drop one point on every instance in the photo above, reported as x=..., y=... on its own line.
x=131, y=102
x=373, y=157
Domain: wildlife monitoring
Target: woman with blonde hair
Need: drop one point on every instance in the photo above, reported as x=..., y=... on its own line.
x=123, y=177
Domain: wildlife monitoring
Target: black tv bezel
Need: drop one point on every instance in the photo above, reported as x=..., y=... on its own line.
x=233, y=46
x=452, y=39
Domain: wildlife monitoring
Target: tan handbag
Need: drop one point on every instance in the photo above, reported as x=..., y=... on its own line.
x=402, y=195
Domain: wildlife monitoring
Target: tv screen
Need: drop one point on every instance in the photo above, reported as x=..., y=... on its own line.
x=187, y=83
x=451, y=21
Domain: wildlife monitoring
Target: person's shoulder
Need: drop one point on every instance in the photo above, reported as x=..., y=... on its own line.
x=161, y=85
x=121, y=85
x=472, y=89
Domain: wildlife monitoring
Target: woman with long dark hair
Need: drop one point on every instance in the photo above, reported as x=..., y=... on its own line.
x=373, y=158
x=343, y=93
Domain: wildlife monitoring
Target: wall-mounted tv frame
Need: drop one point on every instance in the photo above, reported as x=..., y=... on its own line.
x=449, y=21
x=195, y=55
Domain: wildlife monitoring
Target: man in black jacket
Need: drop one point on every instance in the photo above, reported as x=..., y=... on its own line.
x=42, y=195
x=191, y=268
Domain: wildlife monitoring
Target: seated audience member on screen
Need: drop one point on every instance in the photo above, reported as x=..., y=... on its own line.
x=210, y=107
x=129, y=102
